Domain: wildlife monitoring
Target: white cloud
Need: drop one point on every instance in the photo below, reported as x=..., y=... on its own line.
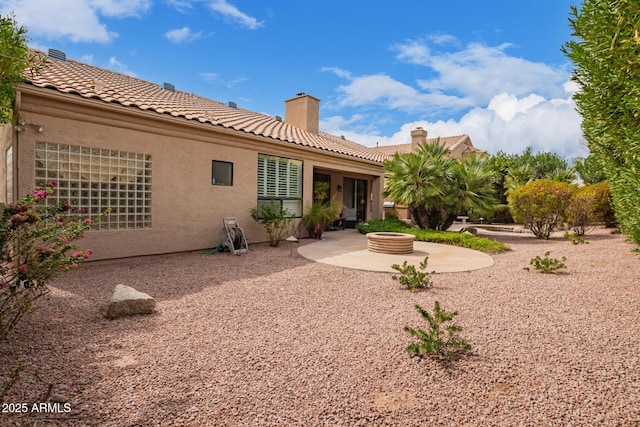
x=338, y=72
x=120, y=8
x=182, y=35
x=119, y=67
x=506, y=106
x=510, y=124
x=209, y=77
x=383, y=91
x=479, y=72
x=502, y=102
x=78, y=21
x=232, y=13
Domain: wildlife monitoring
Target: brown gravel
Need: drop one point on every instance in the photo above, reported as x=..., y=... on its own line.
x=273, y=339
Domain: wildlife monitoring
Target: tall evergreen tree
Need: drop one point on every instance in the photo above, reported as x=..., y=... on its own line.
x=605, y=53
x=15, y=57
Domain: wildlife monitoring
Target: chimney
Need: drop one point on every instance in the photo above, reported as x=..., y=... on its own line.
x=418, y=136
x=303, y=112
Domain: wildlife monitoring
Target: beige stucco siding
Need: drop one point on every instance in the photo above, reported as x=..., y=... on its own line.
x=187, y=210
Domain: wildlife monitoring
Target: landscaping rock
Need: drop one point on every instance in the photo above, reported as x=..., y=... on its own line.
x=126, y=301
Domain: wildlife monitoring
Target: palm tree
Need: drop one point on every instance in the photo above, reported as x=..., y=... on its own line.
x=437, y=188
x=472, y=190
x=418, y=180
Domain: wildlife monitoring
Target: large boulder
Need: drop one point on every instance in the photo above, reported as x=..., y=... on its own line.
x=126, y=301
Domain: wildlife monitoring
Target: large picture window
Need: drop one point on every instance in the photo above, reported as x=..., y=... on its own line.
x=94, y=179
x=280, y=181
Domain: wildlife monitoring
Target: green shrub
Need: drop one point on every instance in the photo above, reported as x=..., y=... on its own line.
x=603, y=209
x=411, y=277
x=540, y=205
x=502, y=215
x=36, y=244
x=438, y=340
x=575, y=238
x=547, y=265
x=453, y=238
x=275, y=221
x=580, y=213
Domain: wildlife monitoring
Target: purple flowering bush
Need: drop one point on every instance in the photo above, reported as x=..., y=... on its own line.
x=36, y=244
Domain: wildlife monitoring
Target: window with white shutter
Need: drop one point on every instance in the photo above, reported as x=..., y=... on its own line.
x=280, y=181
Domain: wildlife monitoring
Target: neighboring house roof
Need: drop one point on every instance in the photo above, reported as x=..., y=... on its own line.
x=68, y=76
x=451, y=142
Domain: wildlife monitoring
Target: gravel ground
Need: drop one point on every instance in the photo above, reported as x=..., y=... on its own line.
x=273, y=339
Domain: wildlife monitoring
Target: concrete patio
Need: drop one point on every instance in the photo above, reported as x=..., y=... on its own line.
x=348, y=249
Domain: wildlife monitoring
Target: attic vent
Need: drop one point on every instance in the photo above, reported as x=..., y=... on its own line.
x=169, y=87
x=342, y=137
x=57, y=54
x=232, y=104
x=278, y=119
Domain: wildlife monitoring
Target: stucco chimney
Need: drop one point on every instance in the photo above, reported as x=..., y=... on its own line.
x=418, y=136
x=303, y=112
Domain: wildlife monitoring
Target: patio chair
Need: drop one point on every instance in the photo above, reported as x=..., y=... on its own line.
x=350, y=217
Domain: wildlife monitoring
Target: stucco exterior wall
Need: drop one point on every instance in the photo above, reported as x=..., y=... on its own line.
x=187, y=210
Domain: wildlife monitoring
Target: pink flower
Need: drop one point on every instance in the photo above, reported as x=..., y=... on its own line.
x=41, y=194
x=74, y=265
x=64, y=240
x=87, y=220
x=24, y=268
x=89, y=252
x=4, y=284
x=78, y=254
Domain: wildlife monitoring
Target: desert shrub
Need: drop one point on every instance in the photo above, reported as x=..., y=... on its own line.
x=502, y=215
x=547, y=265
x=434, y=236
x=540, y=205
x=35, y=245
x=603, y=204
x=580, y=212
x=411, y=277
x=575, y=238
x=441, y=337
x=276, y=221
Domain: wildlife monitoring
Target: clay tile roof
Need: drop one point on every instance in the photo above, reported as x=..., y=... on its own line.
x=92, y=82
x=448, y=141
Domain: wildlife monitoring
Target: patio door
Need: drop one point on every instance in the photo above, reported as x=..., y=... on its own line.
x=355, y=196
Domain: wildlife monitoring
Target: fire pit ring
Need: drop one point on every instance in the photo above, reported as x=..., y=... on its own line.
x=390, y=243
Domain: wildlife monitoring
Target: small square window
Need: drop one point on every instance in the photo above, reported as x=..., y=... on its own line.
x=221, y=173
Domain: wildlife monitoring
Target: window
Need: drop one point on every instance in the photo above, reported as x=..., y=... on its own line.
x=94, y=179
x=9, y=175
x=221, y=173
x=280, y=181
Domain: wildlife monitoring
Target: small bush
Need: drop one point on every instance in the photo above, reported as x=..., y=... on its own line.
x=502, y=215
x=438, y=340
x=580, y=212
x=547, y=265
x=36, y=244
x=275, y=221
x=603, y=204
x=434, y=236
x=540, y=205
x=575, y=238
x=411, y=277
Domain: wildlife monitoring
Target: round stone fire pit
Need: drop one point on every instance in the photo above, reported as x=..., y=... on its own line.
x=390, y=243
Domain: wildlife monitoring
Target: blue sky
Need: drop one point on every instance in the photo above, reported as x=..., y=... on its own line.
x=491, y=69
